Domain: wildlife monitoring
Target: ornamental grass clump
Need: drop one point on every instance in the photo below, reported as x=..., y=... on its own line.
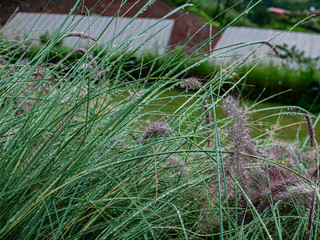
x=84, y=162
x=258, y=178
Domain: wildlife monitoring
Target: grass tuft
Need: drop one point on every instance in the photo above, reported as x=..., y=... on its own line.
x=105, y=146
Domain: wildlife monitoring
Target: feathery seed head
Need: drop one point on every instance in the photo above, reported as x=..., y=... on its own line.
x=81, y=35
x=84, y=51
x=191, y=83
x=155, y=129
x=311, y=132
x=208, y=115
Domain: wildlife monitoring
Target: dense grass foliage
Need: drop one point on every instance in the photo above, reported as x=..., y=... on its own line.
x=90, y=150
x=301, y=83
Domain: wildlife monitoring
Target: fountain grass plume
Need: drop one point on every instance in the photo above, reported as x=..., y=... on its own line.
x=274, y=48
x=155, y=129
x=311, y=213
x=178, y=164
x=207, y=120
x=13, y=14
x=81, y=35
x=190, y=83
x=311, y=131
x=84, y=51
x=241, y=143
x=267, y=184
x=208, y=115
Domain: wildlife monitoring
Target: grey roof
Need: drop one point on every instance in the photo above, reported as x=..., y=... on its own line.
x=149, y=34
x=307, y=42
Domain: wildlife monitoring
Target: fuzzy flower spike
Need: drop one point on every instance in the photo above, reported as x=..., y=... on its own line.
x=155, y=129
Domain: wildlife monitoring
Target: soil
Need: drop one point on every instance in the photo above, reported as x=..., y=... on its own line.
x=186, y=25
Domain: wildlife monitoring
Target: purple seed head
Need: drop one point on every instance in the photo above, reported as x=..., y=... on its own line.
x=273, y=48
x=238, y=132
x=191, y=83
x=3, y=62
x=81, y=35
x=13, y=14
x=208, y=115
x=311, y=132
x=178, y=164
x=311, y=213
x=155, y=129
x=84, y=51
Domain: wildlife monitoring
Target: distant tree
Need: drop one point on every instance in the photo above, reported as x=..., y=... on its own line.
x=260, y=15
x=217, y=8
x=225, y=16
x=229, y=3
